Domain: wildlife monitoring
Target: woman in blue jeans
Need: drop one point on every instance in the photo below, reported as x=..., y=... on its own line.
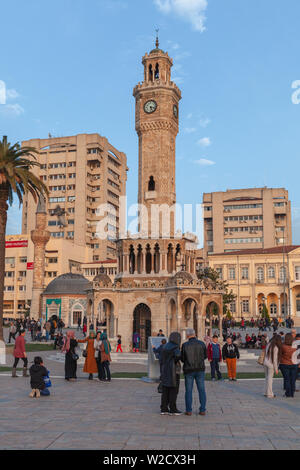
x=287, y=366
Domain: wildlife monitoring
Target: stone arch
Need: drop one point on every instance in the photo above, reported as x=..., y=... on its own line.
x=151, y=184
x=148, y=259
x=142, y=324
x=105, y=316
x=156, y=258
x=131, y=260
x=156, y=72
x=172, y=316
x=211, y=309
x=189, y=310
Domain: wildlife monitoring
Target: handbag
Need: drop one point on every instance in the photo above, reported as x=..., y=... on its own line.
x=84, y=353
x=75, y=357
x=261, y=358
x=47, y=381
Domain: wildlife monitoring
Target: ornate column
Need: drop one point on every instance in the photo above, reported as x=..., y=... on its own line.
x=40, y=237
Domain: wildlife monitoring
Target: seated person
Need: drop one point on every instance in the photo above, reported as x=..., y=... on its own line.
x=37, y=373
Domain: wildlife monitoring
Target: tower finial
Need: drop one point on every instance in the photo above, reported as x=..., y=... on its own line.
x=157, y=40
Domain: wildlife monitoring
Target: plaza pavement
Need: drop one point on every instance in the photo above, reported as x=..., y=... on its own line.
x=124, y=415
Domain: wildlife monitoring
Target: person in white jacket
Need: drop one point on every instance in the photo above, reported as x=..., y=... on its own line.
x=271, y=364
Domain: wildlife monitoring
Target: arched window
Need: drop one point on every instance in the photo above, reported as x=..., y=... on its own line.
x=156, y=75
x=150, y=73
x=273, y=309
x=151, y=184
x=260, y=274
x=271, y=272
x=148, y=260
x=131, y=260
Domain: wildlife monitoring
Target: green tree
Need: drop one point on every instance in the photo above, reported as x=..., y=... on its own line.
x=265, y=312
x=16, y=178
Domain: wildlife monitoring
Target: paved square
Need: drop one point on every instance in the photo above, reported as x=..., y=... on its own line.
x=125, y=415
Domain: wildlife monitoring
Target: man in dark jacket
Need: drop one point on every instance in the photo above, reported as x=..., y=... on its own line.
x=193, y=355
x=170, y=377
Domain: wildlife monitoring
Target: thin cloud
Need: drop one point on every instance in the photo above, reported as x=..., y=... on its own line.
x=12, y=94
x=12, y=110
x=190, y=130
x=204, y=142
x=205, y=162
x=192, y=11
x=204, y=122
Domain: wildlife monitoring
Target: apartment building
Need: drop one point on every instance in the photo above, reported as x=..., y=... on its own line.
x=61, y=256
x=239, y=219
x=82, y=172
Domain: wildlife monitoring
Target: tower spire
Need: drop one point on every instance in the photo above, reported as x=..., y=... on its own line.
x=157, y=39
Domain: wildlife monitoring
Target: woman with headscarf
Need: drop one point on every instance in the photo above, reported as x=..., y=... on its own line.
x=170, y=377
x=90, y=365
x=70, y=357
x=105, y=349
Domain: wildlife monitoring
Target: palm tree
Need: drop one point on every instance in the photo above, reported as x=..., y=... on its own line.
x=16, y=177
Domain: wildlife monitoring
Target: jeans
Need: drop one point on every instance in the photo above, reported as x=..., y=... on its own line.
x=106, y=370
x=189, y=384
x=289, y=373
x=214, y=367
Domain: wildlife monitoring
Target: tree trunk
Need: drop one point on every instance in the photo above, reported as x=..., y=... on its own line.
x=3, y=221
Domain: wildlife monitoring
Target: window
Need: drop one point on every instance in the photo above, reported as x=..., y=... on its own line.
x=9, y=260
x=9, y=288
x=71, y=198
x=243, y=240
x=245, y=306
x=271, y=272
x=297, y=273
x=279, y=204
x=23, y=259
x=260, y=274
x=220, y=272
x=22, y=273
x=57, y=199
x=71, y=234
x=245, y=272
x=243, y=206
x=232, y=274
x=233, y=307
x=57, y=234
x=282, y=274
x=151, y=184
x=273, y=309
x=52, y=260
x=9, y=274
x=208, y=208
x=22, y=288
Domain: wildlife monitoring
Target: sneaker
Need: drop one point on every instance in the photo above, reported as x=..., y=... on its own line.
x=234, y=380
x=176, y=413
x=163, y=413
x=213, y=379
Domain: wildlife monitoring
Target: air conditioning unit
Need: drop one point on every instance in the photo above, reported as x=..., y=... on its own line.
x=20, y=278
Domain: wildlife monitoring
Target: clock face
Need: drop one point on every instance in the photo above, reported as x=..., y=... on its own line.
x=150, y=106
x=175, y=111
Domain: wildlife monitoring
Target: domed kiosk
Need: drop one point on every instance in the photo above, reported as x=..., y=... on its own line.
x=66, y=297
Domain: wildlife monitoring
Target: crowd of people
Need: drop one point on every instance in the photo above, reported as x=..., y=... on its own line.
x=281, y=352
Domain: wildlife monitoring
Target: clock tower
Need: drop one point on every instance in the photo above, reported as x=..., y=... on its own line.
x=156, y=122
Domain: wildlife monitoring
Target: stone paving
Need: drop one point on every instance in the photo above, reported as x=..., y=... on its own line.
x=125, y=415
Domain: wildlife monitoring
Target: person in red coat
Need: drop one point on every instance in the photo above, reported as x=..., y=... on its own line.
x=214, y=355
x=20, y=353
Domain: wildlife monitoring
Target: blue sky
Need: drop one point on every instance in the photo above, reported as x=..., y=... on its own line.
x=69, y=66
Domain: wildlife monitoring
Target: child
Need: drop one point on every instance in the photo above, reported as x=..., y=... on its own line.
x=119, y=347
x=37, y=373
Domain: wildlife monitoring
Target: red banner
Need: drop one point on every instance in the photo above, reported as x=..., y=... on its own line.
x=16, y=244
x=30, y=266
